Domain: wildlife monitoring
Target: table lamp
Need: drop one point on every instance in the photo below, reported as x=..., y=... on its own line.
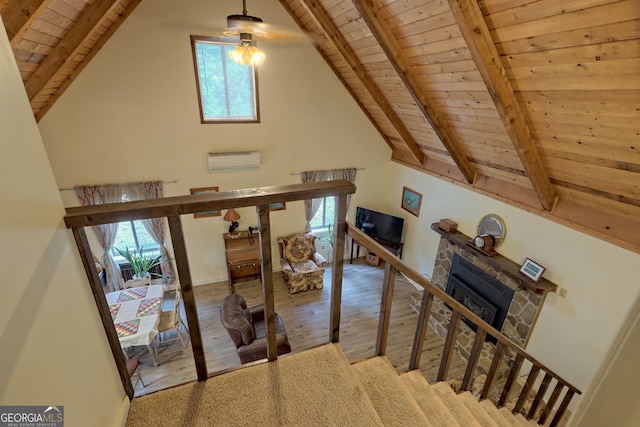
x=233, y=217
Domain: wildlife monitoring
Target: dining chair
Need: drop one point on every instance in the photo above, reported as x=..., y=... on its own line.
x=172, y=320
x=134, y=372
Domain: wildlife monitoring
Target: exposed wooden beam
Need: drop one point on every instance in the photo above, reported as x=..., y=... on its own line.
x=87, y=58
x=19, y=15
x=66, y=49
x=374, y=122
x=475, y=32
x=323, y=20
x=393, y=52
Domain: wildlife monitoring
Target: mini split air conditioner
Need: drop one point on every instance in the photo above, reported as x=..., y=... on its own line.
x=237, y=160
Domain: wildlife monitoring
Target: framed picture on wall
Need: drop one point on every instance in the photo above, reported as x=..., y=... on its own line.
x=280, y=206
x=202, y=190
x=411, y=201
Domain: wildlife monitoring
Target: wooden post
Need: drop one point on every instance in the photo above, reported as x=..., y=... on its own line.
x=531, y=378
x=421, y=329
x=103, y=308
x=481, y=334
x=186, y=285
x=340, y=229
x=551, y=403
x=493, y=370
x=385, y=308
x=511, y=379
x=267, y=280
x=542, y=390
x=449, y=344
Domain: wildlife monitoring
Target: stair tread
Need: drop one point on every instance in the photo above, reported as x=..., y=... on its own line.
x=502, y=418
x=455, y=405
x=523, y=421
x=431, y=405
x=392, y=400
x=477, y=410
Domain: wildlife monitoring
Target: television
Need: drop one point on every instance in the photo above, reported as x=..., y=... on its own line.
x=384, y=228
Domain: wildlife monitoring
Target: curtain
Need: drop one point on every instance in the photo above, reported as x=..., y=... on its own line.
x=106, y=233
x=154, y=226
x=311, y=206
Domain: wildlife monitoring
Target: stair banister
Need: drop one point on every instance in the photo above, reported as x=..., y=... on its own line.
x=483, y=328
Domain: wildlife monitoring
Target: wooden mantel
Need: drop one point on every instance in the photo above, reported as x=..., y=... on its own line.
x=499, y=263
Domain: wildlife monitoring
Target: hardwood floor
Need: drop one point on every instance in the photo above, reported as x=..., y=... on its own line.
x=306, y=318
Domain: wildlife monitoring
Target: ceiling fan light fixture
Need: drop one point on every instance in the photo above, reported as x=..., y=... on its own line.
x=245, y=53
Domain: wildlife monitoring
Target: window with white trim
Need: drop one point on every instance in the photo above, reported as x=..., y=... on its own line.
x=325, y=215
x=133, y=235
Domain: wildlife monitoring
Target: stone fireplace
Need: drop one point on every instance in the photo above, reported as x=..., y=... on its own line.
x=492, y=287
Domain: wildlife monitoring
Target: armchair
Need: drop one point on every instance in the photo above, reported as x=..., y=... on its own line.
x=248, y=329
x=302, y=266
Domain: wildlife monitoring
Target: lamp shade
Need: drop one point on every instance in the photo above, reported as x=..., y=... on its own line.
x=231, y=215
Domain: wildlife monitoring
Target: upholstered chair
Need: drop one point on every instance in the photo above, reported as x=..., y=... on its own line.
x=248, y=329
x=302, y=266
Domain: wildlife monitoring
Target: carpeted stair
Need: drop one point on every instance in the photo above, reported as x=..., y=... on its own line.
x=318, y=387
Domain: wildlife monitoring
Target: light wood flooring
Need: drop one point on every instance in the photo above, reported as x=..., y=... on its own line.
x=306, y=318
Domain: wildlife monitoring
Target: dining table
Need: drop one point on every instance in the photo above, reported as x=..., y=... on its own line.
x=136, y=315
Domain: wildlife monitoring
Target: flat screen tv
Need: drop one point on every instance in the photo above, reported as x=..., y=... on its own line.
x=382, y=227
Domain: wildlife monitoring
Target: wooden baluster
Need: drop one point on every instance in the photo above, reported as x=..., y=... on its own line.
x=450, y=342
x=340, y=229
x=493, y=370
x=552, y=401
x=385, y=308
x=184, y=276
x=515, y=369
x=541, y=392
x=267, y=280
x=533, y=374
x=476, y=350
x=563, y=407
x=421, y=329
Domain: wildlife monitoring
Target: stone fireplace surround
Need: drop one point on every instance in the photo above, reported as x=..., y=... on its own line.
x=523, y=311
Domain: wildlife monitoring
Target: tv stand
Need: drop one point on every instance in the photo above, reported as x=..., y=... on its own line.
x=395, y=249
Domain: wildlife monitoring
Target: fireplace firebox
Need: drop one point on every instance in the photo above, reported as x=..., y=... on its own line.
x=483, y=294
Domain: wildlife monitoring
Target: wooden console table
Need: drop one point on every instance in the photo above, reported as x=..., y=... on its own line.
x=242, y=251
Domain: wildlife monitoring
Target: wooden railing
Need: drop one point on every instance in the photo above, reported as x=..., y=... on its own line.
x=172, y=207
x=393, y=265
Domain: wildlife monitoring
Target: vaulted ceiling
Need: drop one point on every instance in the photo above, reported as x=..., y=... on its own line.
x=532, y=102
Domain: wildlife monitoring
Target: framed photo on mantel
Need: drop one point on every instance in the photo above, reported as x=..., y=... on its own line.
x=532, y=270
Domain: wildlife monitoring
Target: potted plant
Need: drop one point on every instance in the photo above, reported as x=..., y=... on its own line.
x=140, y=263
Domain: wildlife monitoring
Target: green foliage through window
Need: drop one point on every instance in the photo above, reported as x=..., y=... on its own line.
x=227, y=91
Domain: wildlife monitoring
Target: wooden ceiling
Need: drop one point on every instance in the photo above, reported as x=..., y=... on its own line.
x=532, y=102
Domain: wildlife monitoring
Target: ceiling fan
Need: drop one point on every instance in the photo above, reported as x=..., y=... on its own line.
x=248, y=27
x=245, y=26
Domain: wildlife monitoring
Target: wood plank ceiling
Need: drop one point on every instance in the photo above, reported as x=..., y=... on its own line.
x=532, y=102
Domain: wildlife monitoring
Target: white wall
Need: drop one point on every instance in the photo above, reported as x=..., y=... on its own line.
x=573, y=334
x=133, y=115
x=53, y=349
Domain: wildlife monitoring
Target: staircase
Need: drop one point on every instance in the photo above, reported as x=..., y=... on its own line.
x=318, y=387
x=408, y=399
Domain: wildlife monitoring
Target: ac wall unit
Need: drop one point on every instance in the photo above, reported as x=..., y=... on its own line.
x=237, y=160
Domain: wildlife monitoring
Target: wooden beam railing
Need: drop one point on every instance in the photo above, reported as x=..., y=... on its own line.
x=172, y=207
x=393, y=265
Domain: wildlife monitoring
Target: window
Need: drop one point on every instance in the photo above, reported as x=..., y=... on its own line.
x=227, y=91
x=325, y=215
x=133, y=235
